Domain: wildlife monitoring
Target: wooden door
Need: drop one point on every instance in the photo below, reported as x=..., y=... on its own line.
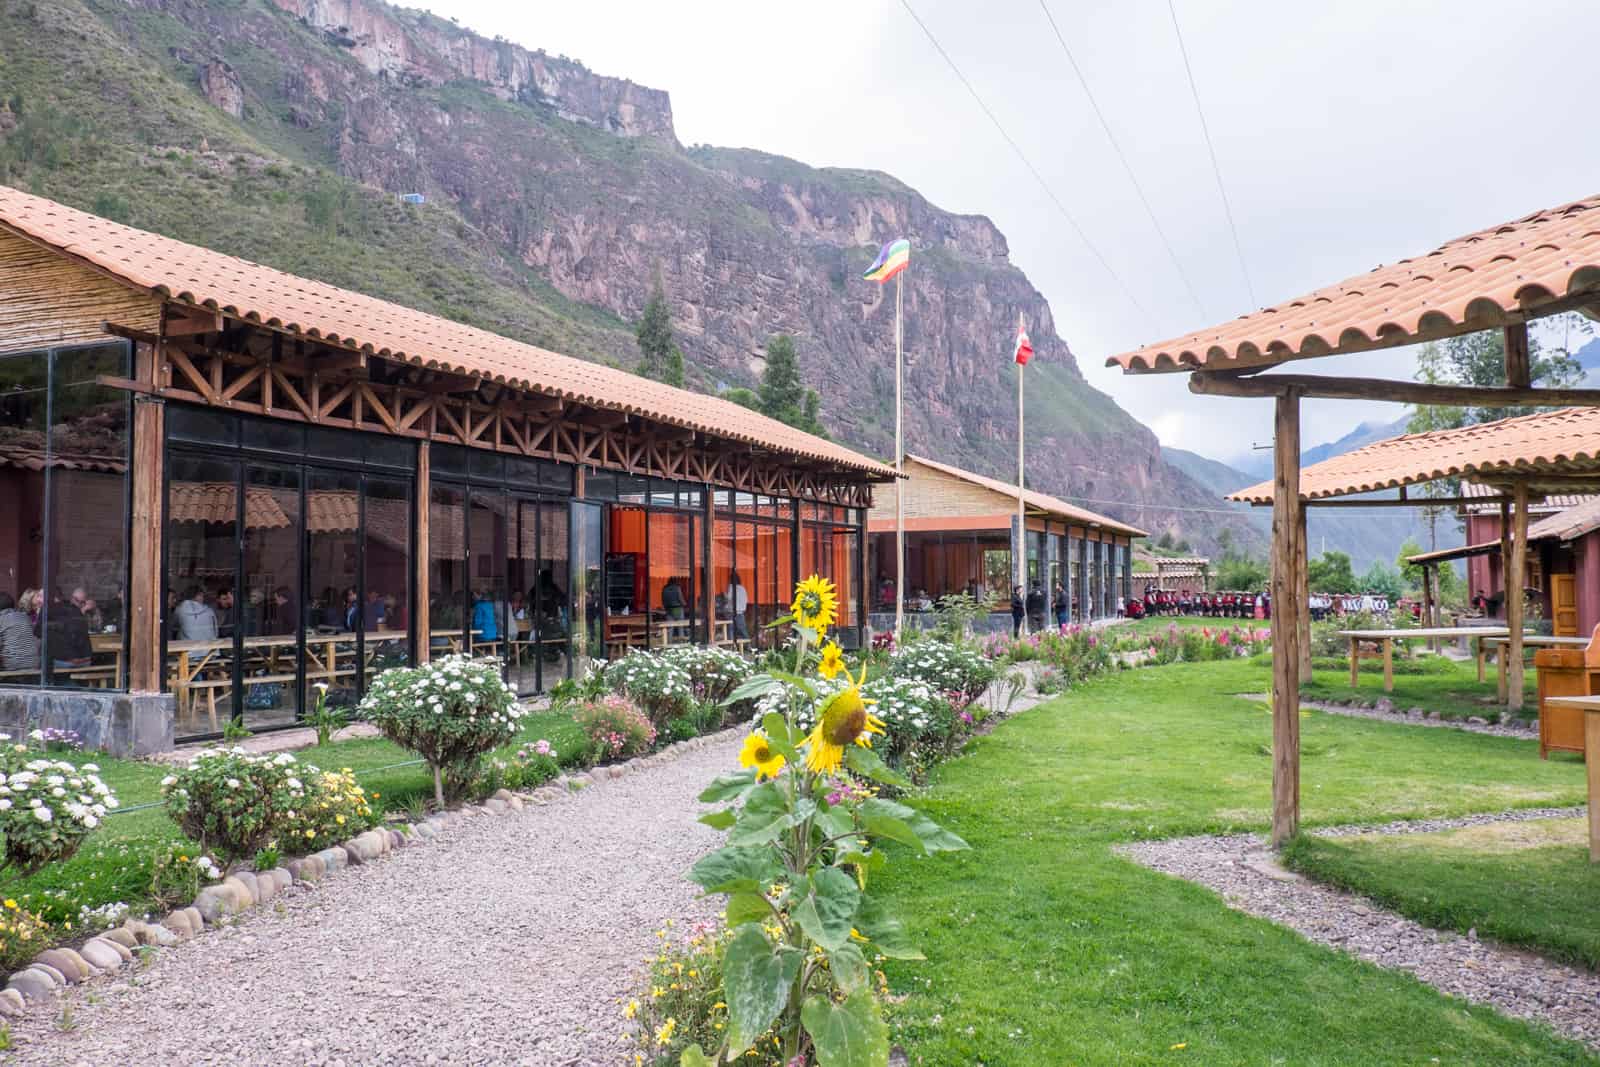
x=1564, y=604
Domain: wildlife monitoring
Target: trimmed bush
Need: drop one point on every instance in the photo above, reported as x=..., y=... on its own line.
x=714, y=673
x=946, y=666
x=336, y=809
x=615, y=728
x=233, y=802
x=657, y=684
x=451, y=712
x=47, y=807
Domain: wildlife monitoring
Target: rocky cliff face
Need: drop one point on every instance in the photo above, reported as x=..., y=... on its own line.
x=579, y=181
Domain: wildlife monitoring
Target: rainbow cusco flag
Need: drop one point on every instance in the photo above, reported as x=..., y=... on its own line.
x=894, y=258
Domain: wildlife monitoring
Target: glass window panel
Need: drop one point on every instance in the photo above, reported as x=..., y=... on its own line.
x=548, y=599
x=557, y=476
x=449, y=461
x=671, y=577
x=522, y=471
x=627, y=617
x=384, y=450
x=447, y=580
x=266, y=610
x=486, y=543
x=744, y=503
x=599, y=485
x=663, y=494
x=631, y=490
x=522, y=567
x=386, y=562
x=764, y=581
x=333, y=549
x=486, y=466
x=691, y=496
x=724, y=500
x=733, y=597
x=784, y=553
x=202, y=563
x=89, y=447
x=587, y=550
x=204, y=425
x=273, y=435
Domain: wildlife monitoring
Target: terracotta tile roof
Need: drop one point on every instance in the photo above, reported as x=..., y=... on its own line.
x=1042, y=501
x=1566, y=525
x=1550, y=442
x=298, y=306
x=1482, y=277
x=1549, y=505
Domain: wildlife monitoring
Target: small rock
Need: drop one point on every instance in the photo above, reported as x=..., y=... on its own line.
x=1477, y=720
x=352, y=853
x=67, y=963
x=294, y=869
x=496, y=806
x=282, y=877
x=396, y=839
x=122, y=936
x=12, y=1003
x=503, y=794
x=242, y=897
x=33, y=985
x=103, y=954
x=196, y=920
x=251, y=885
x=163, y=936
x=56, y=977
x=215, y=903
x=266, y=887
x=516, y=803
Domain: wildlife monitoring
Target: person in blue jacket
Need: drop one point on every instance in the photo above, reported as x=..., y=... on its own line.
x=483, y=620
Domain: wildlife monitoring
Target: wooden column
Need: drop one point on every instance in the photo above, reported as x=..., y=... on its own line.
x=1505, y=591
x=1302, y=595
x=708, y=598
x=1287, y=561
x=1514, y=580
x=1427, y=602
x=1591, y=757
x=1518, y=367
x=422, y=611
x=144, y=568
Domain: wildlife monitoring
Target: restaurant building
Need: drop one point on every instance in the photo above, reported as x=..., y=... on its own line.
x=961, y=532
x=225, y=485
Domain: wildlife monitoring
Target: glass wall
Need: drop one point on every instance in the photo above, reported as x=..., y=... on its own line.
x=64, y=450
x=287, y=566
x=830, y=545
x=587, y=551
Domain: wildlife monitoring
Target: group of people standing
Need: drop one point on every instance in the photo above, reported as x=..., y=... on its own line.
x=1031, y=606
x=1227, y=605
x=26, y=626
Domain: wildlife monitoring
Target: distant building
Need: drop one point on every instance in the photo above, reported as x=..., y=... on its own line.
x=960, y=533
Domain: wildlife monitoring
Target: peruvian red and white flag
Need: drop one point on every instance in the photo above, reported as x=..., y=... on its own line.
x=1024, y=350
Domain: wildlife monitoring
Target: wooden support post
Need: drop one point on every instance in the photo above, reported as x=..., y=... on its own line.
x=422, y=611
x=1591, y=757
x=1514, y=580
x=1427, y=603
x=1505, y=593
x=1518, y=369
x=1287, y=549
x=1388, y=664
x=144, y=568
x=1355, y=662
x=1302, y=596
x=708, y=602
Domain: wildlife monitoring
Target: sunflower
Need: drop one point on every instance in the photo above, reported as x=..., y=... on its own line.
x=832, y=660
x=816, y=605
x=757, y=752
x=844, y=719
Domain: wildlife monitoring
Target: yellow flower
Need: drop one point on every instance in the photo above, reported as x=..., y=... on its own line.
x=664, y=1034
x=11, y=904
x=631, y=1010
x=757, y=752
x=844, y=719
x=816, y=605
x=339, y=819
x=311, y=833
x=657, y=992
x=832, y=660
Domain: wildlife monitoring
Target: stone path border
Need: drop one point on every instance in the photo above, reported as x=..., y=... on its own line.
x=222, y=902
x=1385, y=711
x=1243, y=870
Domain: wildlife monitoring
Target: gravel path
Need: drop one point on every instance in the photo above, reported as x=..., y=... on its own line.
x=508, y=940
x=1242, y=869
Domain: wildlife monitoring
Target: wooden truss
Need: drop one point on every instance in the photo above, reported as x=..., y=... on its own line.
x=238, y=366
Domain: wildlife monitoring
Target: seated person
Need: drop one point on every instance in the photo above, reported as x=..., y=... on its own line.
x=19, y=645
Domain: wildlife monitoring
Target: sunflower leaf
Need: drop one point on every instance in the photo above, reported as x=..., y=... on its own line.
x=752, y=688
x=694, y=1056
x=736, y=870
x=756, y=981
x=747, y=908
x=728, y=787
x=776, y=727
x=852, y=1034
x=719, y=820
x=869, y=764
x=887, y=933
x=826, y=911
x=798, y=682
x=849, y=967
x=885, y=818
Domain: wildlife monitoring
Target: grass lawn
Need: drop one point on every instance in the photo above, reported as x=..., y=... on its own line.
x=1044, y=947
x=1527, y=884
x=115, y=863
x=1433, y=683
x=1158, y=624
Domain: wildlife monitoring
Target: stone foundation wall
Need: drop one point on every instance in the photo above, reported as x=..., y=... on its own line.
x=122, y=724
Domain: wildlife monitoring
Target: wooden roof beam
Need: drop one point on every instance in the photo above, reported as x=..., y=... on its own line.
x=1214, y=383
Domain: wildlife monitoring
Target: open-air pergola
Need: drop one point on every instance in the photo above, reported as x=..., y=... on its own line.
x=1499, y=278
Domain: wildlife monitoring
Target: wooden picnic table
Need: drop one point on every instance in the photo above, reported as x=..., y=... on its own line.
x=1499, y=644
x=1590, y=706
x=202, y=666
x=1388, y=637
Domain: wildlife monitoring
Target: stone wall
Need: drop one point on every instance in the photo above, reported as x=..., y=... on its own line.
x=122, y=724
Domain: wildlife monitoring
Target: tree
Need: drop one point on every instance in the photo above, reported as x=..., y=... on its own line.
x=782, y=394
x=1241, y=574
x=1382, y=580
x=1331, y=573
x=1410, y=573
x=654, y=334
x=673, y=373
x=743, y=397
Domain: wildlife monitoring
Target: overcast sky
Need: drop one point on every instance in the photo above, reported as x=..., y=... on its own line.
x=1348, y=134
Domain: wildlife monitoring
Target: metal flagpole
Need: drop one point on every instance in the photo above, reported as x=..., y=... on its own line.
x=1022, y=524
x=899, y=464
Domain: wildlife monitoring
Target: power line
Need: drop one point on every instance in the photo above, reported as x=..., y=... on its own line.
x=1126, y=166
x=1026, y=162
x=1216, y=168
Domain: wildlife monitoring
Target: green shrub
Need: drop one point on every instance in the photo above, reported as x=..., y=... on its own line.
x=47, y=806
x=947, y=666
x=657, y=685
x=336, y=809
x=615, y=727
x=233, y=802
x=451, y=712
x=714, y=673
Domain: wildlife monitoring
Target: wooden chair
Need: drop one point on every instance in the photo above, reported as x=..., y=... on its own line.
x=1565, y=672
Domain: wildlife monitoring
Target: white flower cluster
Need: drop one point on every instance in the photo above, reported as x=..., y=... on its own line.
x=654, y=682
x=805, y=711
x=234, y=765
x=55, y=789
x=208, y=868
x=104, y=917
x=906, y=705
x=449, y=686
x=714, y=672
x=942, y=664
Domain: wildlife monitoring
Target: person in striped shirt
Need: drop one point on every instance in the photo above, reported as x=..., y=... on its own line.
x=19, y=645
